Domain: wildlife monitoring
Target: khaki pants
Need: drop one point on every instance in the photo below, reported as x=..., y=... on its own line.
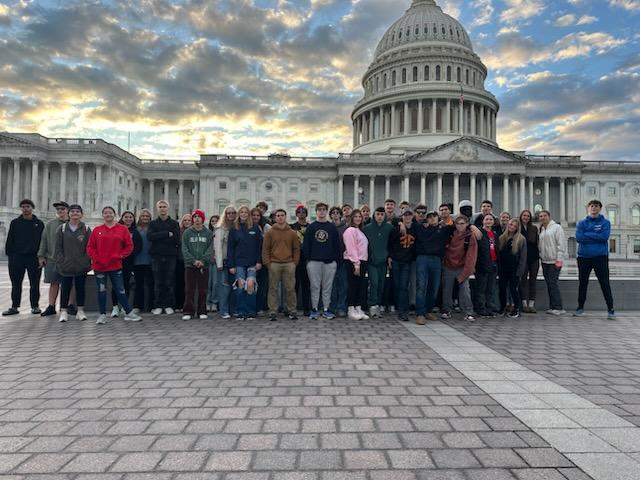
x=285, y=273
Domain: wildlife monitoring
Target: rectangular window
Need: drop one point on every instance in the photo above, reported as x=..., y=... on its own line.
x=636, y=245
x=293, y=188
x=612, y=245
x=611, y=191
x=243, y=186
x=612, y=214
x=591, y=191
x=222, y=185
x=313, y=188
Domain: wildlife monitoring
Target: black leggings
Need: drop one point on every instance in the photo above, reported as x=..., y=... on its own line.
x=601, y=267
x=357, y=285
x=144, y=287
x=509, y=280
x=528, y=281
x=67, y=284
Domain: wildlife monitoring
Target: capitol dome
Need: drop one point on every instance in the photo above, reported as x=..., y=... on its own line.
x=425, y=87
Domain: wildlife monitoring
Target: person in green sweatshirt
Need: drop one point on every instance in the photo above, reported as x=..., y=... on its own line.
x=377, y=233
x=197, y=246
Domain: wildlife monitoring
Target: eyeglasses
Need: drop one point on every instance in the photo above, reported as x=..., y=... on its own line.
x=421, y=212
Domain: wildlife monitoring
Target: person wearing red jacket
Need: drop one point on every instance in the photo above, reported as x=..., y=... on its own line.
x=109, y=244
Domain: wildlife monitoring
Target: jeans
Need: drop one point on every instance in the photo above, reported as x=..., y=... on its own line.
x=282, y=274
x=377, y=274
x=601, y=267
x=67, y=284
x=509, y=284
x=357, y=293
x=428, y=272
x=116, y=283
x=144, y=287
x=212, y=287
x=195, y=281
x=226, y=303
x=464, y=292
x=126, y=280
x=484, y=290
x=528, y=281
x=18, y=264
x=321, y=279
x=339, y=288
x=303, y=289
x=246, y=301
x=164, y=278
x=552, y=278
x=401, y=271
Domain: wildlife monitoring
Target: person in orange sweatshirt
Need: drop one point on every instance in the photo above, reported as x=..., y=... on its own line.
x=459, y=264
x=109, y=244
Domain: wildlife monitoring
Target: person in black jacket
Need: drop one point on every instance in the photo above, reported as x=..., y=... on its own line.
x=401, y=255
x=128, y=219
x=528, y=280
x=21, y=247
x=512, y=264
x=486, y=268
x=164, y=235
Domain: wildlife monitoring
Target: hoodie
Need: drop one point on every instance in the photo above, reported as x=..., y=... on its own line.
x=49, y=236
x=71, y=250
x=197, y=245
x=552, y=243
x=244, y=246
x=24, y=236
x=108, y=246
x=378, y=236
x=280, y=245
x=592, y=235
x=462, y=252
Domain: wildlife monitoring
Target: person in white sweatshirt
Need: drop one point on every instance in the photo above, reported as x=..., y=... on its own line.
x=553, y=250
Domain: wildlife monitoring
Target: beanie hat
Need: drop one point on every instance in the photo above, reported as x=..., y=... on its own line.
x=465, y=203
x=199, y=213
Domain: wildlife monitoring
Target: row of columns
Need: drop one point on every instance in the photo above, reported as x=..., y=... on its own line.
x=518, y=181
x=166, y=186
x=384, y=121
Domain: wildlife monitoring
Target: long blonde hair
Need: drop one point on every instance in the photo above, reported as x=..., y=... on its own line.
x=142, y=211
x=249, y=221
x=223, y=221
x=518, y=238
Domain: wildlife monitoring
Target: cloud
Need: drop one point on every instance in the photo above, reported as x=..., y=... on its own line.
x=484, y=12
x=519, y=10
x=631, y=5
x=570, y=19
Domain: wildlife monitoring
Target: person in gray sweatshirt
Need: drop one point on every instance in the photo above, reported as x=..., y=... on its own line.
x=72, y=261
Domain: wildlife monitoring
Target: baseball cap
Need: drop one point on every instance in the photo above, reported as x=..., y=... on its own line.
x=61, y=203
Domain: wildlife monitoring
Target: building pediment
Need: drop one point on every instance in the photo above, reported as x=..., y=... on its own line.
x=11, y=141
x=466, y=150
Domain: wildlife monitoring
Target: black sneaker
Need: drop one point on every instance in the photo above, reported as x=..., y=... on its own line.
x=49, y=311
x=35, y=311
x=293, y=316
x=273, y=317
x=72, y=309
x=10, y=311
x=514, y=314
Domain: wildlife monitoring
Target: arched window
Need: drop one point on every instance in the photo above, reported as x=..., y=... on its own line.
x=404, y=75
x=635, y=215
x=458, y=75
x=426, y=73
x=393, y=78
x=415, y=74
x=377, y=83
x=417, y=30
x=437, y=72
x=448, y=74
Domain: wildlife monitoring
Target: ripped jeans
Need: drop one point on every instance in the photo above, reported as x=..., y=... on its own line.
x=245, y=294
x=116, y=284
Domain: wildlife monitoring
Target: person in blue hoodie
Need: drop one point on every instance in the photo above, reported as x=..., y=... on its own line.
x=592, y=235
x=244, y=249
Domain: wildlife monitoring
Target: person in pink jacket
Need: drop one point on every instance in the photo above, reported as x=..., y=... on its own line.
x=356, y=249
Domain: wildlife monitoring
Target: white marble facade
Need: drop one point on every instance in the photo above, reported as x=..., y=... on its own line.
x=414, y=139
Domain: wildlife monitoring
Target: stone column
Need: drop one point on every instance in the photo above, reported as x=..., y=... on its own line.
x=63, y=182
x=461, y=118
x=472, y=106
x=420, y=116
x=434, y=111
x=44, y=200
x=393, y=119
x=495, y=130
x=447, y=125
x=356, y=186
x=372, y=192
x=505, y=192
x=531, y=205
x=181, y=197
x=423, y=189
x=370, y=134
x=407, y=128
x=563, y=201
x=16, y=182
x=98, y=188
x=167, y=193
x=387, y=187
x=355, y=132
x=34, y=182
x=196, y=192
x=472, y=190
x=380, y=123
x=490, y=187
x=546, y=194
x=456, y=190
x=439, y=190
x=406, y=188
x=80, y=184
x=340, y=189
x=2, y=187
x=523, y=203
x=482, y=126
x=152, y=196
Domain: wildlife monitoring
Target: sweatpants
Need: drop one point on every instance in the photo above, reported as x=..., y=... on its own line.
x=18, y=264
x=601, y=267
x=377, y=274
x=285, y=274
x=321, y=279
x=196, y=281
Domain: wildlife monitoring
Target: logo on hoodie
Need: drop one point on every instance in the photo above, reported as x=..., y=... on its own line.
x=321, y=236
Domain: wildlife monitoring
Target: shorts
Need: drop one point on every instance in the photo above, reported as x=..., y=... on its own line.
x=51, y=275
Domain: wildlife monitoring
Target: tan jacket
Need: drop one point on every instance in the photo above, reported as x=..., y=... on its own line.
x=280, y=245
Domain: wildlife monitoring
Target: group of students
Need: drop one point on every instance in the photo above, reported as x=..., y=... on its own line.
x=348, y=262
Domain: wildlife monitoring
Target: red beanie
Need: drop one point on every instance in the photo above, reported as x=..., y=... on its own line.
x=199, y=213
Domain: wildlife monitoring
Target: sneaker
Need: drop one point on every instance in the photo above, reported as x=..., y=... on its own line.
x=313, y=314
x=579, y=312
x=514, y=314
x=203, y=317
x=102, y=319
x=445, y=316
x=72, y=310
x=132, y=317
x=49, y=311
x=249, y=317
x=214, y=308
x=558, y=312
x=470, y=318
x=10, y=311
x=115, y=312
x=156, y=311
x=293, y=316
x=404, y=317
x=374, y=311
x=186, y=317
x=457, y=309
x=611, y=315
x=533, y=310
x=136, y=311
x=80, y=315
x=63, y=317
x=549, y=311
x=431, y=317
x=36, y=311
x=328, y=314
x=392, y=309
x=421, y=320
x=273, y=317
x=225, y=316
x=169, y=311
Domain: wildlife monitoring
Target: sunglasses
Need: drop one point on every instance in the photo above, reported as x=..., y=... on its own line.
x=421, y=212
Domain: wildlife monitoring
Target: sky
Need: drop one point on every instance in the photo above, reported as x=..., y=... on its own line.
x=189, y=77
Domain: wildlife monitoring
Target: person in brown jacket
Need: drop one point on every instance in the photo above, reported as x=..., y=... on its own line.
x=459, y=264
x=281, y=254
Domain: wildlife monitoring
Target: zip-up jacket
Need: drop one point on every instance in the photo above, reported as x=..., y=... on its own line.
x=163, y=244
x=197, y=245
x=378, y=236
x=552, y=243
x=321, y=243
x=592, y=235
x=24, y=236
x=484, y=263
x=244, y=247
x=462, y=252
x=71, y=250
x=49, y=237
x=108, y=246
x=431, y=240
x=280, y=245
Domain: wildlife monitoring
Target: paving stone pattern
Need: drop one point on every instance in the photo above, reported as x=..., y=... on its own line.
x=223, y=400
x=592, y=357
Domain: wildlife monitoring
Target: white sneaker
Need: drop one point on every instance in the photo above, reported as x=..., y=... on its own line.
x=363, y=316
x=225, y=316
x=102, y=319
x=156, y=311
x=550, y=312
x=63, y=316
x=132, y=317
x=203, y=317
x=352, y=314
x=136, y=311
x=186, y=317
x=558, y=312
x=115, y=312
x=373, y=311
x=81, y=315
x=169, y=311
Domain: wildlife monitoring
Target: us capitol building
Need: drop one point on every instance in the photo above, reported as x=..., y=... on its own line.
x=413, y=139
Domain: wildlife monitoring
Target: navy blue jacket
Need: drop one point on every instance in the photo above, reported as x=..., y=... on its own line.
x=592, y=235
x=244, y=247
